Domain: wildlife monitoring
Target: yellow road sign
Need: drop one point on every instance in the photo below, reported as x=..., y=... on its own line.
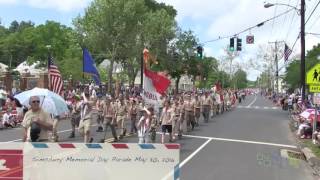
x=314, y=89
x=313, y=75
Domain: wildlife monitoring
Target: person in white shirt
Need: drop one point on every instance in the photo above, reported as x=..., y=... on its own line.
x=144, y=125
x=7, y=120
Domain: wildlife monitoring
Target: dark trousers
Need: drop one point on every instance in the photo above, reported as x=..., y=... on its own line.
x=133, y=124
x=108, y=122
x=206, y=113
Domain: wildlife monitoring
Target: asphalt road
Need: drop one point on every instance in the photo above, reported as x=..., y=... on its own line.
x=243, y=144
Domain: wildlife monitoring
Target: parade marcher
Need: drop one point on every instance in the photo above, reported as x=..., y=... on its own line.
x=144, y=125
x=189, y=113
x=176, y=125
x=182, y=122
x=197, y=106
x=227, y=102
x=121, y=113
x=99, y=108
x=109, y=120
x=154, y=126
x=161, y=104
x=36, y=122
x=218, y=103
x=133, y=114
x=166, y=119
x=206, y=106
x=86, y=117
x=75, y=115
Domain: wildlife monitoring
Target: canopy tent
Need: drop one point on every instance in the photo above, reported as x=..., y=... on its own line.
x=24, y=67
x=3, y=67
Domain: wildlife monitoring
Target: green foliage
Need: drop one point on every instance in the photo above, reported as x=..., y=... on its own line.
x=240, y=79
x=24, y=41
x=292, y=76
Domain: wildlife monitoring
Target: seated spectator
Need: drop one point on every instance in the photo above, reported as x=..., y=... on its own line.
x=304, y=129
x=7, y=120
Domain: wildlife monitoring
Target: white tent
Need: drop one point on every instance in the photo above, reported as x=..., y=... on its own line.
x=3, y=67
x=25, y=68
x=117, y=68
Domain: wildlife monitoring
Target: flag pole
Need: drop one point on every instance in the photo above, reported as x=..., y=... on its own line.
x=48, y=66
x=141, y=70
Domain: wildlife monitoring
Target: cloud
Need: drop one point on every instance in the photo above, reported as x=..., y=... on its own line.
x=210, y=19
x=5, y=2
x=59, y=5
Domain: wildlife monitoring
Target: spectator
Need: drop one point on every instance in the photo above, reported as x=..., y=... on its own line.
x=7, y=119
x=36, y=122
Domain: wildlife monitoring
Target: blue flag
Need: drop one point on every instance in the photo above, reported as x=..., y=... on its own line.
x=89, y=66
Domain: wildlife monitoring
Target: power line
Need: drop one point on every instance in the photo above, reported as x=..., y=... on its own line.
x=249, y=28
x=312, y=12
x=293, y=17
x=315, y=22
x=305, y=24
x=274, y=13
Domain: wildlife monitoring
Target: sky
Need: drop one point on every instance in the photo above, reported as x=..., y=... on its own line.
x=208, y=19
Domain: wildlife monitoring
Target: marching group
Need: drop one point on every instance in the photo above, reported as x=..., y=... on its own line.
x=175, y=114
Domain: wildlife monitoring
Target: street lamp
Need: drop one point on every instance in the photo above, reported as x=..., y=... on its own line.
x=267, y=5
x=302, y=38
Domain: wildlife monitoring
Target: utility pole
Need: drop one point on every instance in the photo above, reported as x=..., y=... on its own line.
x=277, y=64
x=302, y=37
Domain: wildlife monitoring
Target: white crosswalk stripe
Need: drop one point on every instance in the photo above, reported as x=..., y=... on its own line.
x=258, y=107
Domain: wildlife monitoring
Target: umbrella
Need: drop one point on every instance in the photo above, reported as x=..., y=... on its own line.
x=49, y=101
x=309, y=114
x=3, y=94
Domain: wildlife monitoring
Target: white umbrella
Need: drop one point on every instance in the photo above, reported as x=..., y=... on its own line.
x=49, y=101
x=3, y=94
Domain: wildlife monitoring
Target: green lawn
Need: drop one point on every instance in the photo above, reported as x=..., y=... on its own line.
x=315, y=148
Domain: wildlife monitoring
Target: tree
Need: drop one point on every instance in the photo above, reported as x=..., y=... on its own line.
x=180, y=61
x=120, y=29
x=28, y=42
x=240, y=79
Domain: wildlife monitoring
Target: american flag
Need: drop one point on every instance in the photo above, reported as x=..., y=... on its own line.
x=56, y=83
x=287, y=52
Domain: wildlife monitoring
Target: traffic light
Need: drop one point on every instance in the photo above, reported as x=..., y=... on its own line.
x=231, y=48
x=200, y=52
x=239, y=44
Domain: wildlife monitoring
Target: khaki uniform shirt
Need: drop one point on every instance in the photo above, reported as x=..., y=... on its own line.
x=121, y=110
x=108, y=111
x=167, y=116
x=188, y=106
x=207, y=101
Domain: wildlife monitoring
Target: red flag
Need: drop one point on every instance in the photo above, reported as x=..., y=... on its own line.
x=160, y=82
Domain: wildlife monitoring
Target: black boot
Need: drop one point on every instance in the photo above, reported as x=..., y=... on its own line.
x=100, y=129
x=71, y=135
x=192, y=125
